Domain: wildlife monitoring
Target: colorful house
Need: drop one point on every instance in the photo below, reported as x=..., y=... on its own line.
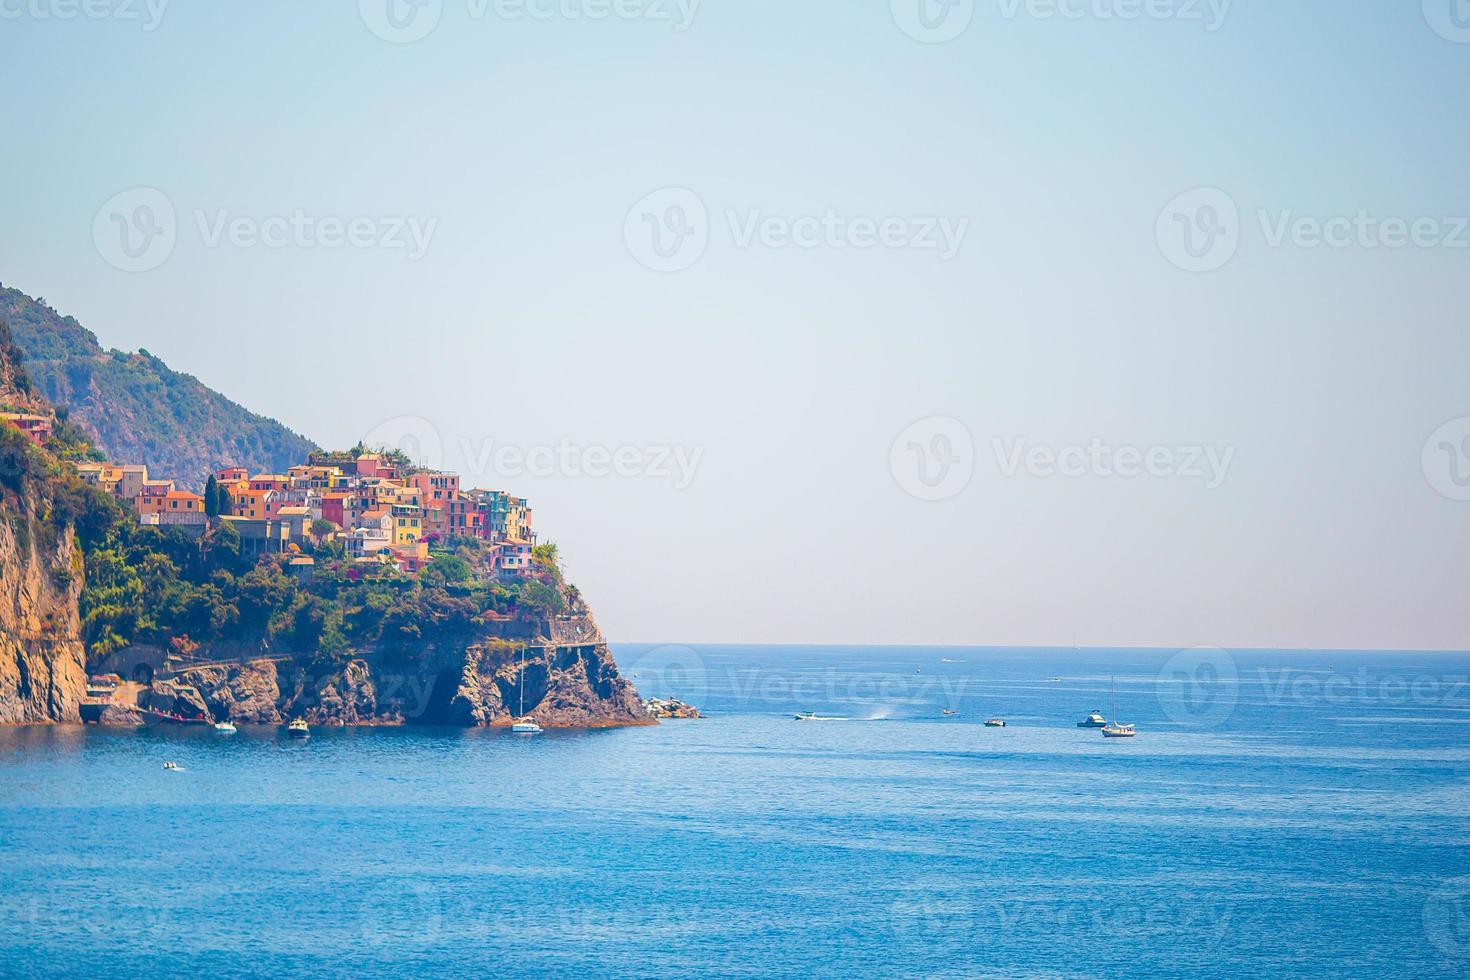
x=38, y=427
x=251, y=504
x=407, y=524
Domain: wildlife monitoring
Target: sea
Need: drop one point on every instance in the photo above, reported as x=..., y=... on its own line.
x=1279, y=813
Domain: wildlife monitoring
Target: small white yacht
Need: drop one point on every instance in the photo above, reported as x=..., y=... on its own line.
x=1093, y=720
x=524, y=725
x=1115, y=728
x=806, y=716
x=225, y=727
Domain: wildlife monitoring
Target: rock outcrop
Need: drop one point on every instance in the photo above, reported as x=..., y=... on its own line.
x=670, y=708
x=43, y=674
x=566, y=685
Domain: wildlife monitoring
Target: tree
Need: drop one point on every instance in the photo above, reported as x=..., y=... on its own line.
x=211, y=497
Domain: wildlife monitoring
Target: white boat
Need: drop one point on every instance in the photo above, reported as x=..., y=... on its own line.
x=806, y=716
x=225, y=727
x=1117, y=729
x=1093, y=720
x=524, y=725
x=299, y=729
x=173, y=767
x=995, y=723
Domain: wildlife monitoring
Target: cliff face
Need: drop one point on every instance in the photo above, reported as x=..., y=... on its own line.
x=42, y=662
x=566, y=685
x=43, y=673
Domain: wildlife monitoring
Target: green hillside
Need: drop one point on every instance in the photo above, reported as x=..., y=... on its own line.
x=135, y=409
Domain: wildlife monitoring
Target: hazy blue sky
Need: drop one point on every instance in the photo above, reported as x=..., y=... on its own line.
x=1052, y=147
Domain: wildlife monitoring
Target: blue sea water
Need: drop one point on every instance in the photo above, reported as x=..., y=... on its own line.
x=1283, y=814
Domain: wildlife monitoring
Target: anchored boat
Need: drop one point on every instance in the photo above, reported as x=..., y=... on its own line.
x=524, y=725
x=1116, y=729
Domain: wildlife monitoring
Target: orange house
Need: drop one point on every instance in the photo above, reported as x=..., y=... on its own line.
x=251, y=504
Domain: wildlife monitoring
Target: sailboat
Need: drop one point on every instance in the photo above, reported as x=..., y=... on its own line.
x=1115, y=728
x=524, y=726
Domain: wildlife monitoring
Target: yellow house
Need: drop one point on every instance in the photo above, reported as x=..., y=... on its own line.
x=408, y=524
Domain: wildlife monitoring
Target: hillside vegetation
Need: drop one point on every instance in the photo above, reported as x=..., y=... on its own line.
x=135, y=409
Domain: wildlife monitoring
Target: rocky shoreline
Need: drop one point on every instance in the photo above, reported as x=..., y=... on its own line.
x=491, y=681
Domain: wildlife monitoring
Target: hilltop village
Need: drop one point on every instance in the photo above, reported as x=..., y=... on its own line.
x=382, y=510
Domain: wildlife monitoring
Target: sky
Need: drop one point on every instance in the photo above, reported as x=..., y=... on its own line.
x=890, y=321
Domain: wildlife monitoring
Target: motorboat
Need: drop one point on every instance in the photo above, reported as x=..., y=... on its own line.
x=995, y=723
x=173, y=767
x=950, y=711
x=1093, y=720
x=299, y=729
x=225, y=727
x=806, y=716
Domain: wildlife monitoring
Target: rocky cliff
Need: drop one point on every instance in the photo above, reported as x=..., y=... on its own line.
x=42, y=663
x=565, y=685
